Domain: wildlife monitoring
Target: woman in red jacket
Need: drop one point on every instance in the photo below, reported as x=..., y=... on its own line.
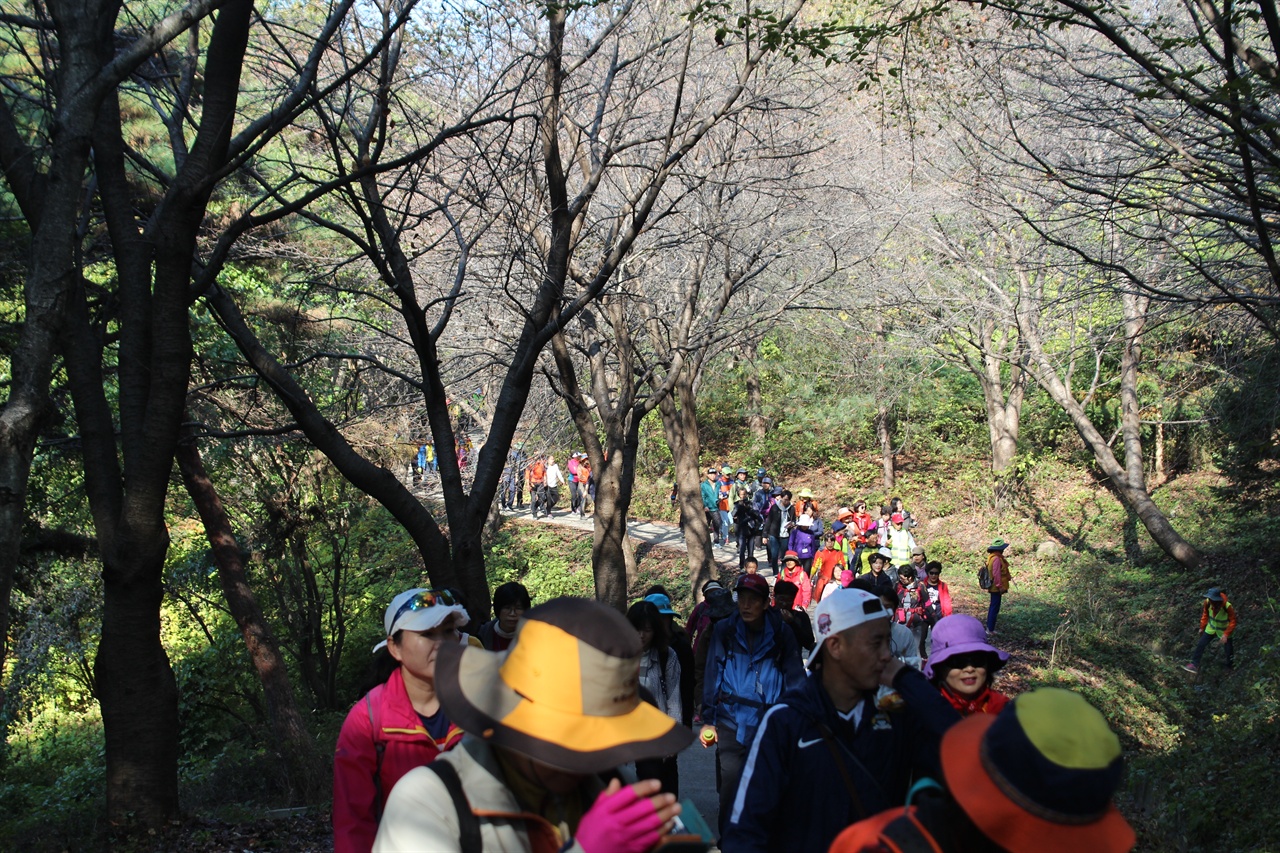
x=399, y=724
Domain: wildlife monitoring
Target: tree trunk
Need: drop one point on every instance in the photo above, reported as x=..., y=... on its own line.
x=50, y=201
x=608, y=547
x=1004, y=407
x=756, y=422
x=884, y=417
x=680, y=424
x=136, y=688
x=1134, y=493
x=297, y=749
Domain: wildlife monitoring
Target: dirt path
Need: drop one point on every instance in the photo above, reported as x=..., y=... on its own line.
x=659, y=533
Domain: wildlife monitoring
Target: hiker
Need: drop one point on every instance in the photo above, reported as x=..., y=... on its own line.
x=399, y=724
x=724, y=483
x=998, y=571
x=900, y=543
x=587, y=479
x=807, y=532
x=797, y=618
x=680, y=645
x=1038, y=778
x=879, y=580
x=555, y=479
x=510, y=601
x=862, y=519
x=752, y=660
x=828, y=754
x=711, y=503
x=777, y=526
x=536, y=475
x=543, y=722
x=794, y=573
x=575, y=488
x=660, y=678
x=909, y=610
x=1217, y=619
x=936, y=597
x=829, y=562
x=748, y=523
x=963, y=666
x=901, y=640
x=719, y=607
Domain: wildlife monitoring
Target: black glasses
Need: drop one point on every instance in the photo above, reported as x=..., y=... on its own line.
x=422, y=600
x=977, y=660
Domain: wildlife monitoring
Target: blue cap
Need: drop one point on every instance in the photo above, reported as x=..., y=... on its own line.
x=661, y=602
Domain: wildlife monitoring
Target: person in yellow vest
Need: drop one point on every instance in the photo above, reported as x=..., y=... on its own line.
x=901, y=542
x=1217, y=619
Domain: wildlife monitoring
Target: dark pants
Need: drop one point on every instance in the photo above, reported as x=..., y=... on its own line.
x=541, y=499
x=993, y=610
x=746, y=548
x=731, y=756
x=777, y=547
x=575, y=496
x=665, y=770
x=1205, y=639
x=713, y=524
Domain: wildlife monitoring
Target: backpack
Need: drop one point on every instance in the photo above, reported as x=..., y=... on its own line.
x=984, y=577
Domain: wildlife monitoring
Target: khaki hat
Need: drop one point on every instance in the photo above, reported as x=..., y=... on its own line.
x=566, y=693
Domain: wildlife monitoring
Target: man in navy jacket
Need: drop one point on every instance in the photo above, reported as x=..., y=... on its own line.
x=838, y=749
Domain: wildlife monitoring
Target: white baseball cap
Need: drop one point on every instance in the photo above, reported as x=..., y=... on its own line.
x=842, y=610
x=419, y=610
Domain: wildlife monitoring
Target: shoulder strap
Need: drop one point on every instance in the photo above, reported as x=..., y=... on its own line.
x=908, y=835
x=829, y=738
x=468, y=823
x=379, y=747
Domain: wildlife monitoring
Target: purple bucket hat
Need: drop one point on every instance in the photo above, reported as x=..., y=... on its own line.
x=957, y=634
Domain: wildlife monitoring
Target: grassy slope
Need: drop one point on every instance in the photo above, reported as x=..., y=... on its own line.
x=1108, y=616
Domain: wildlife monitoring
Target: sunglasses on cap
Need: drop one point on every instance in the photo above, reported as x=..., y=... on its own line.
x=423, y=600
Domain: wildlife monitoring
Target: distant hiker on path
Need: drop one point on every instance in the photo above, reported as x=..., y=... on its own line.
x=997, y=568
x=1217, y=619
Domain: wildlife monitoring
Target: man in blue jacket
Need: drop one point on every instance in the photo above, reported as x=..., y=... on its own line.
x=830, y=753
x=752, y=661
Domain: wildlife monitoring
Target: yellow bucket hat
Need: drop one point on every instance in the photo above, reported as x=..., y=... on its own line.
x=565, y=694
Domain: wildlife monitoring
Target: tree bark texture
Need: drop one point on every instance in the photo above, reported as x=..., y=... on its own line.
x=680, y=424
x=293, y=739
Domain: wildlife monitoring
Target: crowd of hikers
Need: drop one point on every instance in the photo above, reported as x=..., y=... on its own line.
x=557, y=727
x=849, y=706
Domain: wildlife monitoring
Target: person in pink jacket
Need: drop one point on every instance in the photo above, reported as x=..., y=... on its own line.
x=398, y=725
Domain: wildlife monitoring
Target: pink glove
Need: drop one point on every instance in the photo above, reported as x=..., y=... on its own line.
x=619, y=823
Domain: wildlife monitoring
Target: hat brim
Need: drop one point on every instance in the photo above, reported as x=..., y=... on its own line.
x=941, y=656
x=477, y=699
x=1005, y=822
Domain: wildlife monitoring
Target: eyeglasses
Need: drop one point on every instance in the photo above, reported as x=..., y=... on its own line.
x=421, y=601
x=513, y=608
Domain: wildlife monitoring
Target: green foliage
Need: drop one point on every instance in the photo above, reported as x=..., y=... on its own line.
x=52, y=789
x=547, y=562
